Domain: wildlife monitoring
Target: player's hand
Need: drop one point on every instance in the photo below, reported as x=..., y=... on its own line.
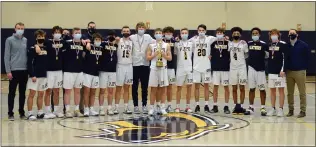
x=33, y=79
x=226, y=38
x=84, y=42
x=117, y=39
x=282, y=74
x=209, y=57
x=37, y=49
x=88, y=46
x=156, y=53
x=164, y=55
x=9, y=75
x=177, y=38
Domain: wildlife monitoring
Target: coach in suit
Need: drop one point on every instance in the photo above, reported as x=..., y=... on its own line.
x=296, y=62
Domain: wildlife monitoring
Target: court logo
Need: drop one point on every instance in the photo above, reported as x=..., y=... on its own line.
x=151, y=130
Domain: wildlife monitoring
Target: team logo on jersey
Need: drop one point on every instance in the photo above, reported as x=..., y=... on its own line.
x=76, y=47
x=161, y=128
x=57, y=45
x=254, y=47
x=220, y=46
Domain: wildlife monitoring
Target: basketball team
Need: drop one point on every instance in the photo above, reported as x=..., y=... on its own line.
x=85, y=62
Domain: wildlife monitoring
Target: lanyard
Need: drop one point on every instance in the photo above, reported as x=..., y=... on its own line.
x=56, y=47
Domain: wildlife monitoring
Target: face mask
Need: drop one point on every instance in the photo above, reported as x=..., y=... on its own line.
x=141, y=32
x=97, y=44
x=57, y=36
x=255, y=38
x=158, y=36
x=292, y=36
x=77, y=36
x=111, y=38
x=91, y=30
x=126, y=35
x=19, y=32
x=202, y=34
x=274, y=38
x=40, y=41
x=184, y=36
x=236, y=37
x=168, y=37
x=219, y=36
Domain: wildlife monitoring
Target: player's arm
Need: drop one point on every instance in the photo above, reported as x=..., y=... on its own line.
x=266, y=50
x=245, y=48
x=30, y=58
x=167, y=55
x=176, y=47
x=149, y=55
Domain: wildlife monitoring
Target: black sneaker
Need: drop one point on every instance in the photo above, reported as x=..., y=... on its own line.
x=226, y=110
x=82, y=111
x=197, y=108
x=22, y=116
x=236, y=109
x=249, y=111
x=11, y=118
x=215, y=109
x=40, y=116
x=206, y=108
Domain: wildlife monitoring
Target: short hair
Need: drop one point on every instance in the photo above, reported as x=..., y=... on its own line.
x=234, y=29
x=96, y=35
x=19, y=23
x=57, y=28
x=91, y=22
x=125, y=27
x=39, y=33
x=111, y=33
x=158, y=29
x=274, y=31
x=220, y=29
x=184, y=29
x=256, y=28
x=140, y=24
x=294, y=30
x=75, y=29
x=202, y=26
x=168, y=29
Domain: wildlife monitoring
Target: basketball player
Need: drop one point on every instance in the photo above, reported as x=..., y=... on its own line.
x=238, y=71
x=107, y=73
x=37, y=68
x=277, y=51
x=73, y=76
x=168, y=38
x=256, y=70
x=220, y=66
x=54, y=73
x=140, y=65
x=124, y=68
x=91, y=74
x=202, y=65
x=184, y=50
x=158, y=53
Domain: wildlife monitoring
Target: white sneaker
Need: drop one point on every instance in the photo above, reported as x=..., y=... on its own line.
x=151, y=111
x=31, y=117
x=158, y=109
x=110, y=112
x=58, y=114
x=127, y=110
x=280, y=112
x=46, y=116
x=272, y=112
x=101, y=111
x=188, y=110
x=145, y=110
x=86, y=112
x=69, y=114
x=115, y=111
x=77, y=113
x=177, y=110
x=92, y=112
x=163, y=111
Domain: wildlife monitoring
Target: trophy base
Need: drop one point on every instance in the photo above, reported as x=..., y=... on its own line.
x=159, y=64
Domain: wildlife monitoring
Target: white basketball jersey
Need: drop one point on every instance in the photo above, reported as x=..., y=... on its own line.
x=184, y=51
x=124, y=51
x=154, y=60
x=237, y=54
x=202, y=51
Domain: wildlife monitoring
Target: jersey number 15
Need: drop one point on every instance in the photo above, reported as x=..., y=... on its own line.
x=125, y=54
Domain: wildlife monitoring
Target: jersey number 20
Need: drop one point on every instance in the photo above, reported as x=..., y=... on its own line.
x=201, y=52
x=125, y=54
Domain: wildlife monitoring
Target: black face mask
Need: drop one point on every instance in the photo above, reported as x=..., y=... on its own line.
x=111, y=38
x=292, y=36
x=126, y=35
x=92, y=30
x=40, y=41
x=236, y=37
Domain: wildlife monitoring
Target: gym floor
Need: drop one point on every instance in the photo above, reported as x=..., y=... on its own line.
x=176, y=129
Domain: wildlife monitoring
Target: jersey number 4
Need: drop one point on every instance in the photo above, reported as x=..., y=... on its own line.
x=125, y=54
x=201, y=52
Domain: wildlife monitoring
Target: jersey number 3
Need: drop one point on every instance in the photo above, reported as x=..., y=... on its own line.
x=201, y=52
x=125, y=54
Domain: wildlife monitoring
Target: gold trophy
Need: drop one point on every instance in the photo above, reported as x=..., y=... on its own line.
x=159, y=62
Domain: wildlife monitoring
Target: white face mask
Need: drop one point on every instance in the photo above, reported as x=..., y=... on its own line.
x=97, y=44
x=141, y=32
x=274, y=38
x=57, y=36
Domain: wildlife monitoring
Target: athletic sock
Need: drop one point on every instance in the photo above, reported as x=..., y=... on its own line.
x=162, y=105
x=197, y=103
x=109, y=107
x=262, y=106
x=67, y=107
x=215, y=104
x=40, y=112
x=188, y=105
x=169, y=103
x=56, y=108
x=47, y=109
x=178, y=106
x=206, y=102
x=125, y=105
x=158, y=103
x=250, y=106
x=116, y=106
x=76, y=107
x=151, y=106
x=30, y=113
x=226, y=104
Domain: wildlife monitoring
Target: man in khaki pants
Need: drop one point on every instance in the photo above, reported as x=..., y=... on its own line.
x=296, y=61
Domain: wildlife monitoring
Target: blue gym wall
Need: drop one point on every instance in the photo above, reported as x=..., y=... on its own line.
x=307, y=36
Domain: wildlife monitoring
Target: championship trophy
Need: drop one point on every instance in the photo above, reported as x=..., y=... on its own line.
x=159, y=62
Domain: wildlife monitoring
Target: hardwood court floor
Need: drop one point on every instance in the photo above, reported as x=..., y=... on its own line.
x=175, y=129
